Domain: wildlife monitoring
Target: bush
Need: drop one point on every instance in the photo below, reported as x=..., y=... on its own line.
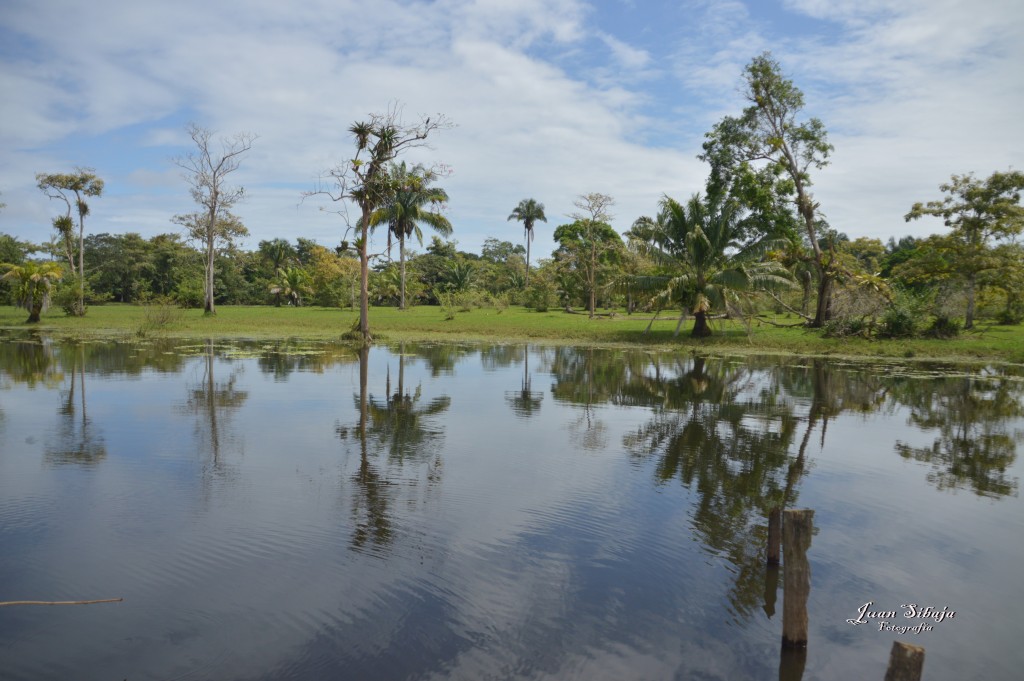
x=943, y=327
x=1011, y=315
x=540, y=296
x=898, y=322
x=66, y=297
x=845, y=328
x=157, y=316
x=900, y=319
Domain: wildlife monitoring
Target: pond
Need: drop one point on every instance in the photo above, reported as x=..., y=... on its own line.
x=295, y=510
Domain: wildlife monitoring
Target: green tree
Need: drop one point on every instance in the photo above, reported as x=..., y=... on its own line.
x=216, y=239
x=978, y=213
x=769, y=133
x=702, y=241
x=32, y=283
x=207, y=170
x=364, y=181
x=120, y=265
x=528, y=212
x=407, y=208
x=62, y=186
x=589, y=247
x=292, y=283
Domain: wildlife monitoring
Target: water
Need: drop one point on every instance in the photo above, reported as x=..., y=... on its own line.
x=304, y=511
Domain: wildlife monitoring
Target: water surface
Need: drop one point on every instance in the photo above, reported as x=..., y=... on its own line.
x=304, y=510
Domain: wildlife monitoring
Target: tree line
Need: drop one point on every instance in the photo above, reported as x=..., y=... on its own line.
x=753, y=240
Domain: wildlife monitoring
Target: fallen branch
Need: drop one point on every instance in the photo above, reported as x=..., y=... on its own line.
x=783, y=304
x=102, y=600
x=762, y=318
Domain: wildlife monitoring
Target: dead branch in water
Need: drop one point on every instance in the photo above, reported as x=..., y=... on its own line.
x=102, y=600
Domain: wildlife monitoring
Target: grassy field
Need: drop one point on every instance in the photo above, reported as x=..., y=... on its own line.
x=1000, y=343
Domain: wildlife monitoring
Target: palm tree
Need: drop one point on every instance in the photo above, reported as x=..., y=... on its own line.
x=528, y=212
x=292, y=283
x=701, y=243
x=32, y=285
x=407, y=209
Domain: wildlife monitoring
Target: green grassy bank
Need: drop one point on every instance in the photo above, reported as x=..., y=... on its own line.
x=998, y=343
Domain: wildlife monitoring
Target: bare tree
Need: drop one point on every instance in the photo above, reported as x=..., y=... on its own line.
x=61, y=186
x=364, y=181
x=206, y=170
x=594, y=211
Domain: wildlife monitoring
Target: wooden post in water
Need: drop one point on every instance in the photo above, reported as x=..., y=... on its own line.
x=774, y=535
x=797, y=527
x=905, y=662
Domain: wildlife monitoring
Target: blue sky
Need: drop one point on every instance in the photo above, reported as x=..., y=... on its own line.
x=550, y=99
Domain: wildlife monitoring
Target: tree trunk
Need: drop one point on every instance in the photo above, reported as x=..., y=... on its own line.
x=823, y=312
x=364, y=275
x=401, y=267
x=80, y=312
x=971, y=286
x=34, y=312
x=208, y=307
x=700, y=325
x=529, y=237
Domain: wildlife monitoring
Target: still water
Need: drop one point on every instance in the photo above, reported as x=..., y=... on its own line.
x=307, y=511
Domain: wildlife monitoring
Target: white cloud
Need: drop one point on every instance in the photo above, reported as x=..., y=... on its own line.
x=910, y=92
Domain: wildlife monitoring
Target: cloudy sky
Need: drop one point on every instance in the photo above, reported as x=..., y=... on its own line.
x=550, y=99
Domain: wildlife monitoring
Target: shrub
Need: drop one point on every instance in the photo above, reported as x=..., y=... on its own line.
x=540, y=296
x=943, y=327
x=846, y=327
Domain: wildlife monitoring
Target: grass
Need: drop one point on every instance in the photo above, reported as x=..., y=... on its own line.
x=988, y=343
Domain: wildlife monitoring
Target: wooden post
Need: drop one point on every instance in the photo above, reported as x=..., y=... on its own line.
x=774, y=535
x=905, y=662
x=797, y=527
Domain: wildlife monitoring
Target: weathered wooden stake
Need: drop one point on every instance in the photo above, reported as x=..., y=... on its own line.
x=774, y=535
x=797, y=527
x=905, y=662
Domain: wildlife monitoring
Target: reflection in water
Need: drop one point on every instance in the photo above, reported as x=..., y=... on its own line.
x=402, y=430
x=642, y=558
x=213, y=402
x=525, y=401
x=975, y=446
x=30, y=361
x=77, y=441
x=735, y=454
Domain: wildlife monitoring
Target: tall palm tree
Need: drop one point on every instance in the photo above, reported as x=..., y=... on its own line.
x=413, y=202
x=701, y=243
x=528, y=212
x=32, y=285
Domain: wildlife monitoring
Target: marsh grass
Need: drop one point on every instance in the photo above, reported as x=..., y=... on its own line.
x=515, y=324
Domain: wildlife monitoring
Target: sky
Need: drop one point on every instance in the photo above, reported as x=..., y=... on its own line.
x=549, y=99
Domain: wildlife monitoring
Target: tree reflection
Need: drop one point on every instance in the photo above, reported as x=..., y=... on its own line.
x=400, y=428
x=77, y=441
x=30, y=361
x=525, y=401
x=213, y=402
x=282, y=358
x=734, y=453
x=975, y=445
